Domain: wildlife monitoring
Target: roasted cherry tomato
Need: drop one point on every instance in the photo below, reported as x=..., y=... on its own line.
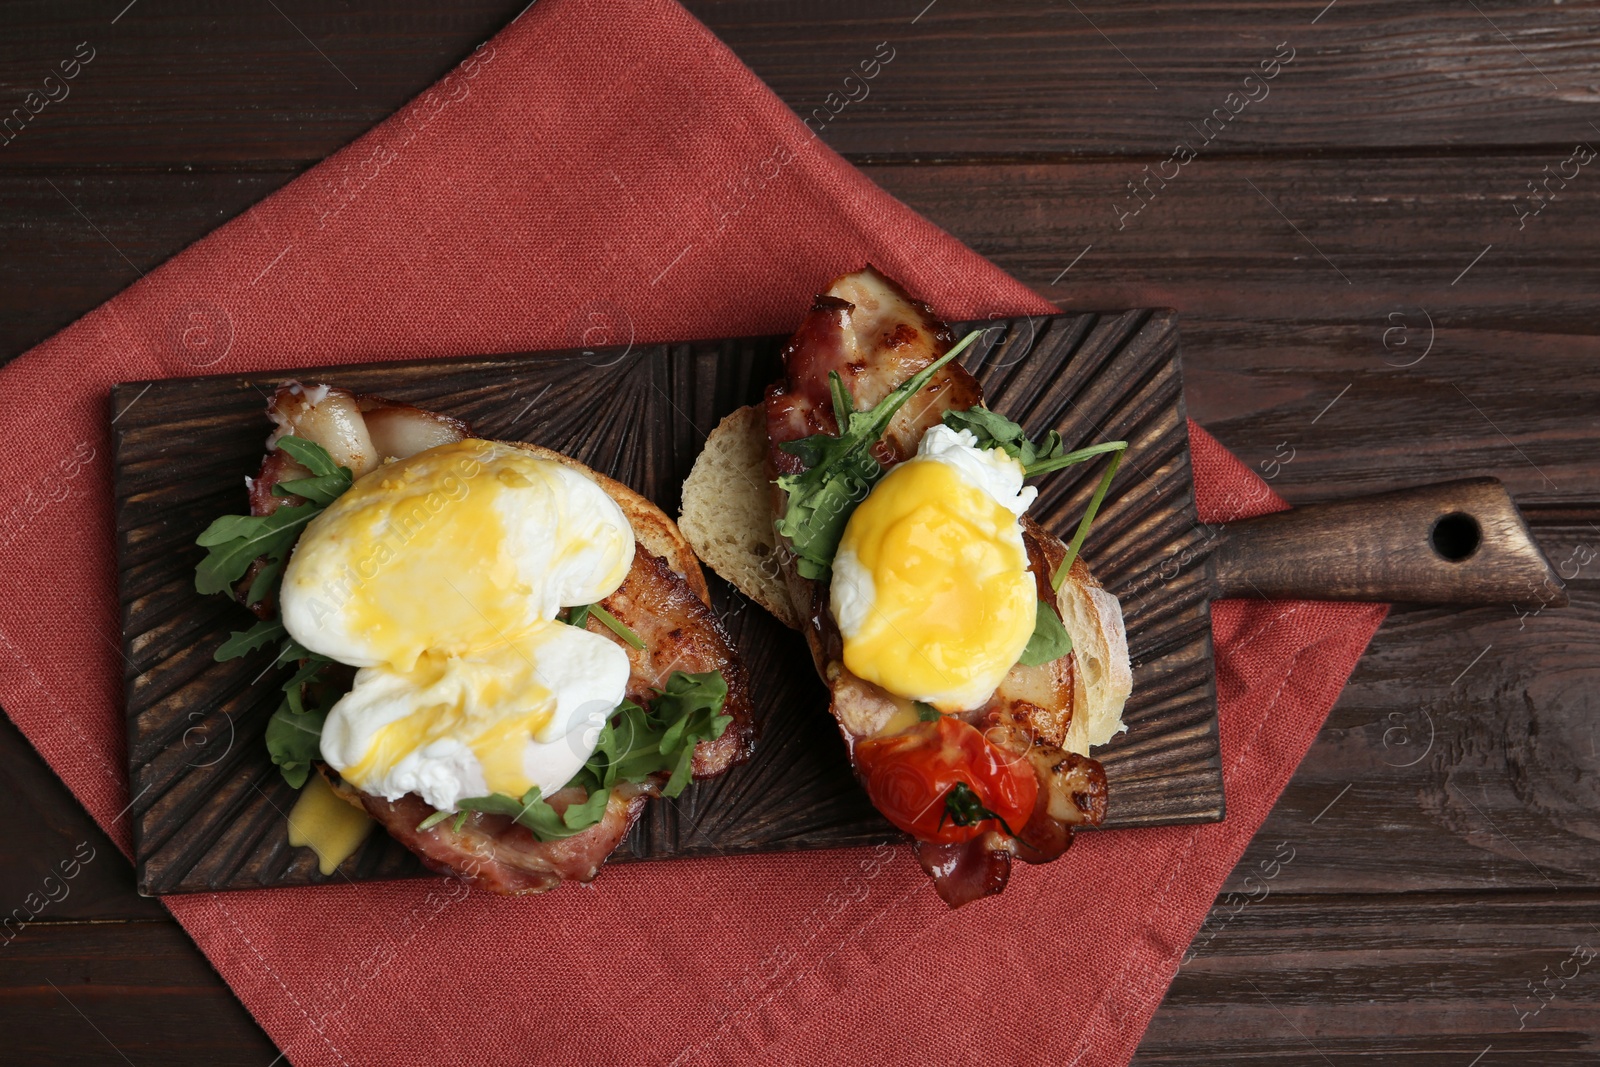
x=942, y=781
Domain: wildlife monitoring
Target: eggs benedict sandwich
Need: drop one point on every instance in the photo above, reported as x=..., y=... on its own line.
x=500, y=655
x=875, y=504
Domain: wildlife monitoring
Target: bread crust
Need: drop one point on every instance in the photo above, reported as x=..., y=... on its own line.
x=727, y=512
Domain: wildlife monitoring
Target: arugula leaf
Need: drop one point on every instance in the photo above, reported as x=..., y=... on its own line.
x=841, y=469
x=294, y=739
x=320, y=490
x=926, y=712
x=310, y=455
x=237, y=541
x=531, y=811
x=294, y=733
x=578, y=616
x=262, y=633
x=440, y=816
x=1047, y=454
x=639, y=742
x=1088, y=520
x=615, y=625
x=997, y=431
x=994, y=430
x=635, y=744
x=962, y=807
x=1050, y=640
x=1067, y=459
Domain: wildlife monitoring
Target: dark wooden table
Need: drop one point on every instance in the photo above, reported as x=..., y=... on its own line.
x=1369, y=300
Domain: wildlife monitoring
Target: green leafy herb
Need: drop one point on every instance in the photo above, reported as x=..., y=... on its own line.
x=294, y=741
x=994, y=430
x=1088, y=520
x=532, y=812
x=1042, y=457
x=310, y=455
x=962, y=807
x=840, y=468
x=440, y=816
x=1047, y=454
x=294, y=733
x=244, y=641
x=639, y=742
x=926, y=712
x=1050, y=640
x=615, y=625
x=634, y=745
x=578, y=616
x=237, y=541
x=320, y=490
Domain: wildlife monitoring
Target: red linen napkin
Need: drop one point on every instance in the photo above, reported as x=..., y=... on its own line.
x=611, y=164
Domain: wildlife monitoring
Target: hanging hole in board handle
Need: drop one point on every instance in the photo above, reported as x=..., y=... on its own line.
x=1460, y=542
x=1456, y=536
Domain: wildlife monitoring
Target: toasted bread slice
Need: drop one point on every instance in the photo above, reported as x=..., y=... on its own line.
x=1104, y=676
x=727, y=518
x=727, y=512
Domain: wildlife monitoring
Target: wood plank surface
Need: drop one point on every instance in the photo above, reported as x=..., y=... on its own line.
x=1430, y=883
x=1306, y=982
x=189, y=84
x=130, y=992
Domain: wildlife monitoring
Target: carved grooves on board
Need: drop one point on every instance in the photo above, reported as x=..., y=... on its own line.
x=211, y=807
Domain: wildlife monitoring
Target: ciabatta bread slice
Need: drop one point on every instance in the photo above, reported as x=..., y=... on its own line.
x=727, y=512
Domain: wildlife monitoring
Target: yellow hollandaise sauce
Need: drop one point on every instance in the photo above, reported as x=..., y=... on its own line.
x=330, y=827
x=931, y=587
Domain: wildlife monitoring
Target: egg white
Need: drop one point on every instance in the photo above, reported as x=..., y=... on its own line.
x=584, y=674
x=440, y=577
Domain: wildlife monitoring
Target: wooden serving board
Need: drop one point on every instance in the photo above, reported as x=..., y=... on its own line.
x=210, y=807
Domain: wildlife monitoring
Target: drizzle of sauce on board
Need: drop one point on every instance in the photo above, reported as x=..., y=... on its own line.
x=332, y=828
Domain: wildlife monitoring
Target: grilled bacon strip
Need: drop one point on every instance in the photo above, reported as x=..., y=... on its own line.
x=666, y=607
x=498, y=855
x=875, y=335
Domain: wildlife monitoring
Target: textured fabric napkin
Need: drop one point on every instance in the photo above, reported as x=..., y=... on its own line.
x=611, y=167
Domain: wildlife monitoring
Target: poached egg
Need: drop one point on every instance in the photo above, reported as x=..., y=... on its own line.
x=931, y=587
x=440, y=576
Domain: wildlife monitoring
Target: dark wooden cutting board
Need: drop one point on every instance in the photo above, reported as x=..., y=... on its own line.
x=210, y=807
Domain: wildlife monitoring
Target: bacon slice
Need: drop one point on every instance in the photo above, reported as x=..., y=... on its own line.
x=498, y=855
x=668, y=609
x=869, y=330
x=680, y=633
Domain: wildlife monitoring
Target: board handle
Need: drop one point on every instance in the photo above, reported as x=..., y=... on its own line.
x=1461, y=542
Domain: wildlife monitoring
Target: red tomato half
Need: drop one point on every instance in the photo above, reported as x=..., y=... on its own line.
x=910, y=777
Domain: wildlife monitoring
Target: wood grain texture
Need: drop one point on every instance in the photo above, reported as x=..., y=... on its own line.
x=134, y=992
x=1006, y=78
x=211, y=812
x=1460, y=542
x=1297, y=982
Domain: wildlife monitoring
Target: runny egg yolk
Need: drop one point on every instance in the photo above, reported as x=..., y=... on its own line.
x=931, y=587
x=440, y=576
